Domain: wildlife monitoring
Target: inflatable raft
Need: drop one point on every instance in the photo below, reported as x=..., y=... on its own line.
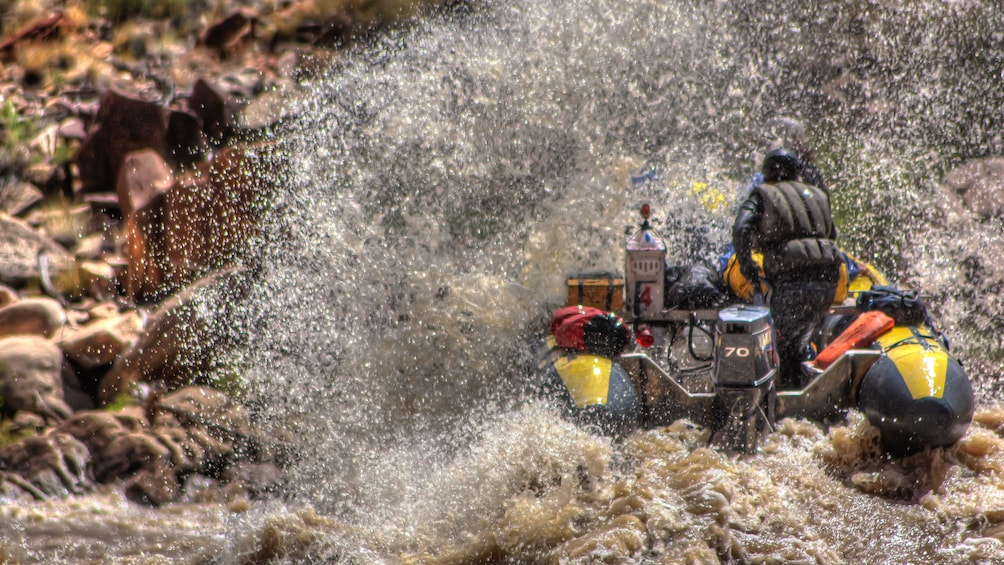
x=660, y=344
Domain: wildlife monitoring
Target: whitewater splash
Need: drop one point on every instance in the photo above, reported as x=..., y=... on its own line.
x=442, y=182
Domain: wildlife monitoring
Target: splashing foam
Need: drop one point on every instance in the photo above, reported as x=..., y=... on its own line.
x=443, y=181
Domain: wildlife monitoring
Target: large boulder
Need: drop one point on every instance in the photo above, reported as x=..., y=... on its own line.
x=201, y=224
x=179, y=342
x=125, y=124
x=210, y=215
x=31, y=377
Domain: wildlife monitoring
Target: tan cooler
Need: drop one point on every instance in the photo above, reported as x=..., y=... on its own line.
x=599, y=290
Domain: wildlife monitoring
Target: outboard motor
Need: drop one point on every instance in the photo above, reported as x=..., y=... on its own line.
x=746, y=365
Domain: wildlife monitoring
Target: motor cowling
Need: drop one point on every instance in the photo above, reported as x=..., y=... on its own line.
x=746, y=356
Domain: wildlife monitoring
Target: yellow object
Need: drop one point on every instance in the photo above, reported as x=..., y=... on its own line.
x=921, y=359
x=743, y=288
x=587, y=378
x=711, y=198
x=868, y=276
x=738, y=283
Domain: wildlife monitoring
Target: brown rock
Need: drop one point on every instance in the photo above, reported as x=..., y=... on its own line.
x=102, y=341
x=56, y=464
x=200, y=225
x=185, y=139
x=31, y=377
x=217, y=110
x=144, y=277
x=177, y=346
x=19, y=249
x=143, y=175
x=125, y=124
x=143, y=180
x=231, y=34
x=211, y=214
x=37, y=316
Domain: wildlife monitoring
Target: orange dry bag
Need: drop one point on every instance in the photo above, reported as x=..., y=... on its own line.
x=861, y=333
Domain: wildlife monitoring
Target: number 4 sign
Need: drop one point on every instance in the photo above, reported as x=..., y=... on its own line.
x=646, y=296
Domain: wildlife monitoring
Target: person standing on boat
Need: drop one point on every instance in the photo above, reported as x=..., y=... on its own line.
x=788, y=134
x=791, y=224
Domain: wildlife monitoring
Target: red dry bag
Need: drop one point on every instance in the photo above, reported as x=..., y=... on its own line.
x=583, y=328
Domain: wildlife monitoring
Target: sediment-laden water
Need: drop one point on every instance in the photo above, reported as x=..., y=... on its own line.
x=444, y=179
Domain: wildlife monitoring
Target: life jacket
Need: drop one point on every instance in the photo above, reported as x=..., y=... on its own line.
x=795, y=230
x=583, y=328
x=792, y=210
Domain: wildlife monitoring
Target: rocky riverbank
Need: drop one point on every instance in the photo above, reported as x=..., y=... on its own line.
x=132, y=138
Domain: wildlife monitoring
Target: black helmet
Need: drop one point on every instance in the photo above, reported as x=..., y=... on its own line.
x=780, y=165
